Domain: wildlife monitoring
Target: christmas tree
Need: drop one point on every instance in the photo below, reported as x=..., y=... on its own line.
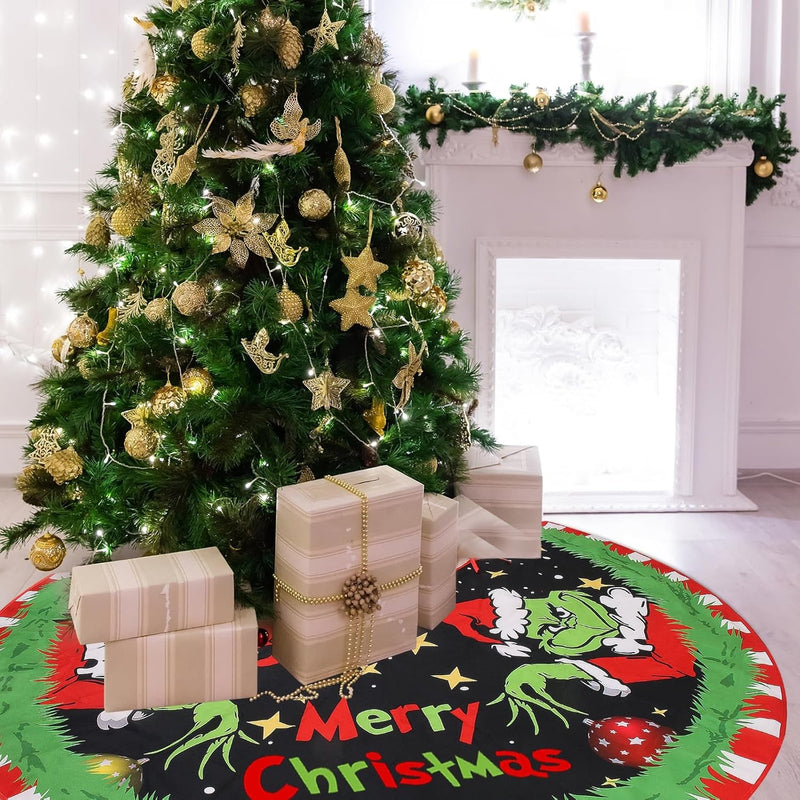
x=269, y=304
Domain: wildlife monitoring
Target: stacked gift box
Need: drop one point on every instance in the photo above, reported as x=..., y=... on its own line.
x=172, y=633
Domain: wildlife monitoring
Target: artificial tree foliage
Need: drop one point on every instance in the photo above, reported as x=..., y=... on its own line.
x=222, y=456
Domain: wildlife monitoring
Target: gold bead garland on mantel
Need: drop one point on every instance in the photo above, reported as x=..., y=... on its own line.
x=360, y=598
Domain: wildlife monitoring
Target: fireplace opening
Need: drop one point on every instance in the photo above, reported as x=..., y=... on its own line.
x=587, y=368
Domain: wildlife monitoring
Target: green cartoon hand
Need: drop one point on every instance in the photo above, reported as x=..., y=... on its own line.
x=224, y=716
x=526, y=689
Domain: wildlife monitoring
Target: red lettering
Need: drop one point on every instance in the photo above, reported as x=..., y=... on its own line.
x=468, y=718
x=384, y=773
x=413, y=773
x=517, y=765
x=400, y=717
x=255, y=788
x=549, y=760
x=340, y=723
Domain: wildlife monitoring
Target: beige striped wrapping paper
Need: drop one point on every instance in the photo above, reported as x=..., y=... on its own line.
x=154, y=594
x=196, y=665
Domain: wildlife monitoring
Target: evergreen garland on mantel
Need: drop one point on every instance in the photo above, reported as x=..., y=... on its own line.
x=640, y=134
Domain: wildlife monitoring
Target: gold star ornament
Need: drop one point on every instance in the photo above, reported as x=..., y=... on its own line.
x=325, y=32
x=326, y=391
x=354, y=308
x=364, y=270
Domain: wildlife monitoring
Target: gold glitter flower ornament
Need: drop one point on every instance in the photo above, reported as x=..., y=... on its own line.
x=237, y=229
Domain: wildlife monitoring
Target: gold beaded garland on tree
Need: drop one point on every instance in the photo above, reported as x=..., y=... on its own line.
x=435, y=114
x=97, y=232
x=62, y=349
x=599, y=193
x=167, y=400
x=157, y=310
x=314, y=205
x=48, y=552
x=532, y=162
x=190, y=298
x=197, y=380
x=254, y=97
x=291, y=304
x=64, y=465
x=763, y=167
x=434, y=301
x=201, y=47
x=82, y=332
x=418, y=277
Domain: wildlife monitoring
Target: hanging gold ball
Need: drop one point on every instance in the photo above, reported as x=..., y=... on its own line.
x=763, y=167
x=118, y=770
x=541, y=99
x=434, y=301
x=532, y=162
x=64, y=465
x=141, y=442
x=85, y=368
x=314, y=205
x=383, y=97
x=82, y=331
x=157, y=310
x=599, y=193
x=408, y=229
x=197, y=380
x=418, y=276
x=190, y=298
x=163, y=87
x=435, y=114
x=167, y=400
x=203, y=49
x=254, y=99
x=291, y=305
x=124, y=220
x=48, y=552
x=97, y=233
x=62, y=349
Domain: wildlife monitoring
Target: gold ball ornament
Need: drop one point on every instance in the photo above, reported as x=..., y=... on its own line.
x=64, y=465
x=167, y=400
x=383, y=97
x=85, y=368
x=533, y=162
x=82, y=331
x=314, y=205
x=599, y=193
x=763, y=167
x=201, y=47
x=157, y=310
x=163, y=88
x=118, y=770
x=62, y=349
x=408, y=229
x=197, y=380
x=418, y=277
x=434, y=114
x=254, y=99
x=124, y=220
x=434, y=301
x=97, y=233
x=291, y=305
x=190, y=298
x=141, y=442
x=48, y=552
x=541, y=99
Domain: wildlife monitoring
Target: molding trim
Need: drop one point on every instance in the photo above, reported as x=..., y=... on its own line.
x=770, y=426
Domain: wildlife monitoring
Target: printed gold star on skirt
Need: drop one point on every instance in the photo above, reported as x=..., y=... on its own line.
x=326, y=390
x=354, y=308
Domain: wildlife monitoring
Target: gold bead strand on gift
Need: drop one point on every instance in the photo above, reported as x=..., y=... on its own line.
x=364, y=515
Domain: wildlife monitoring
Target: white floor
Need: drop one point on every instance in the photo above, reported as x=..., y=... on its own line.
x=750, y=559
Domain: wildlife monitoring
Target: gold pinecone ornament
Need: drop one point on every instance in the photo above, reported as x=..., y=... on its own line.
x=157, y=310
x=434, y=301
x=254, y=99
x=97, y=233
x=141, y=442
x=163, y=88
x=190, y=298
x=418, y=277
x=48, y=552
x=82, y=332
x=167, y=400
x=64, y=465
x=291, y=304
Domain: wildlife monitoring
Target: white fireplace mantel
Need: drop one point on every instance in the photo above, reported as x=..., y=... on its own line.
x=491, y=208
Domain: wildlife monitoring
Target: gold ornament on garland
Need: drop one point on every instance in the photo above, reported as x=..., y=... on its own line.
x=599, y=193
x=541, y=98
x=158, y=310
x=434, y=301
x=763, y=167
x=190, y=298
x=325, y=33
x=104, y=337
x=201, y=47
x=256, y=348
x=82, y=332
x=375, y=417
x=341, y=164
x=237, y=229
x=97, y=232
x=326, y=391
x=418, y=277
x=62, y=349
x=277, y=240
x=354, y=308
x=287, y=41
x=197, y=381
x=291, y=304
x=163, y=88
x=404, y=380
x=48, y=552
x=435, y=114
x=167, y=400
x=314, y=205
x=254, y=97
x=532, y=162
x=64, y=465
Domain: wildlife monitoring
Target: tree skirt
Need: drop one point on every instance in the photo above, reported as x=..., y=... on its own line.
x=594, y=672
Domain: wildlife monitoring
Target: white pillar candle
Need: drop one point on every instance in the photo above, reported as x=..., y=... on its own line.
x=472, y=69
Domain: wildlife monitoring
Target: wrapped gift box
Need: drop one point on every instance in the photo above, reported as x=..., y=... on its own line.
x=195, y=665
x=155, y=594
x=484, y=535
x=509, y=485
x=439, y=558
x=318, y=547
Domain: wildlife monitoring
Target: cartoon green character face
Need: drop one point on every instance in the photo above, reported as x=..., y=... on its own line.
x=568, y=623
